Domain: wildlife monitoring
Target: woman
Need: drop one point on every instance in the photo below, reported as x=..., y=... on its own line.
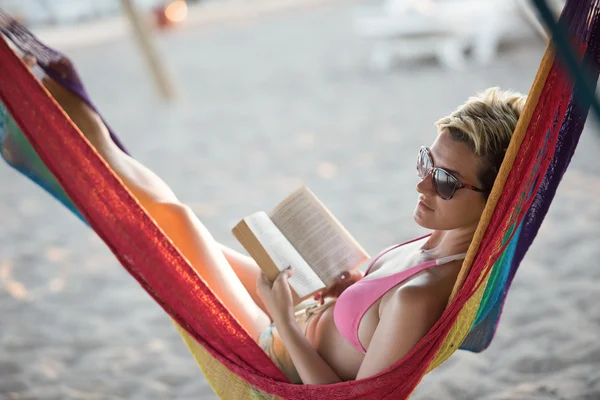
x=367, y=324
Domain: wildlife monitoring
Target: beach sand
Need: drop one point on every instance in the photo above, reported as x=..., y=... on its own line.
x=266, y=105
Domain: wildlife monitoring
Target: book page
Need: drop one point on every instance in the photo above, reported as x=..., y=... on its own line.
x=317, y=235
x=304, y=281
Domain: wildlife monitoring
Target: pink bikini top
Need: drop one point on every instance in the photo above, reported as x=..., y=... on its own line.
x=354, y=302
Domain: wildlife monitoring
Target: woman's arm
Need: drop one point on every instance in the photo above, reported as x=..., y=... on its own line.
x=405, y=319
x=310, y=366
x=345, y=280
x=277, y=298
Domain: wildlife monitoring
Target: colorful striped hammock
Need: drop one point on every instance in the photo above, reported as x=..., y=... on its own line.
x=39, y=140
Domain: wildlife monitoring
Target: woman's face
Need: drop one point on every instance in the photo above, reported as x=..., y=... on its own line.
x=464, y=209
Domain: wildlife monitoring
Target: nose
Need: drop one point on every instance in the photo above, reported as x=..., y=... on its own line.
x=425, y=186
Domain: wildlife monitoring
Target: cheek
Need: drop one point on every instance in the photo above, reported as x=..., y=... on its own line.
x=471, y=211
x=456, y=214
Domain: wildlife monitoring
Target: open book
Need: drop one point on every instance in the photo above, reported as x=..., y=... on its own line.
x=300, y=232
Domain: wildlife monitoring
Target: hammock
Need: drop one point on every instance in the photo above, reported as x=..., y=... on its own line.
x=39, y=140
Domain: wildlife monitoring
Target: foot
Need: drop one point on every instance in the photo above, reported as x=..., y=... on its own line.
x=18, y=152
x=86, y=119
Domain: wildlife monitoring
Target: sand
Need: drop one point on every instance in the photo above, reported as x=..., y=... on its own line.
x=266, y=105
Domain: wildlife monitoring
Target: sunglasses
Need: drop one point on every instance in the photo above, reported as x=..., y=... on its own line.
x=444, y=182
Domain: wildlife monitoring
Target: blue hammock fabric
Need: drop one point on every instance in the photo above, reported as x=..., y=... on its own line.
x=488, y=316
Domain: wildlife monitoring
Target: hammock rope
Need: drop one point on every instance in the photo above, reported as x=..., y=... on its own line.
x=578, y=72
x=539, y=153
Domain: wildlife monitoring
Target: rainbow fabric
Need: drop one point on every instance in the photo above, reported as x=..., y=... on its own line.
x=34, y=131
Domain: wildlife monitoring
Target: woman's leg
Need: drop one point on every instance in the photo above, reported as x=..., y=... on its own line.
x=209, y=258
x=246, y=270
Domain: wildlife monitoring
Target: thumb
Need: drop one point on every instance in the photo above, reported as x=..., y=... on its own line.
x=288, y=273
x=284, y=275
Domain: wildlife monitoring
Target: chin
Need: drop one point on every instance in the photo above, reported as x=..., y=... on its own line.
x=422, y=220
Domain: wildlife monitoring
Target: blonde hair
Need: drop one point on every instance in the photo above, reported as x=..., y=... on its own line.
x=486, y=123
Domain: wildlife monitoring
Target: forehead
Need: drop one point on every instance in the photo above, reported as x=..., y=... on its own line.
x=456, y=156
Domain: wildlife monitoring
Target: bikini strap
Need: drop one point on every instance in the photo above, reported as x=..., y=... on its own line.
x=392, y=248
x=448, y=259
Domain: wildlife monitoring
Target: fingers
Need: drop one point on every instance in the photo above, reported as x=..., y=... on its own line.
x=283, y=276
x=345, y=279
x=355, y=275
x=319, y=297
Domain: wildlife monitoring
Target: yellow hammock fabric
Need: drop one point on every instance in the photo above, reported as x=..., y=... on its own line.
x=544, y=141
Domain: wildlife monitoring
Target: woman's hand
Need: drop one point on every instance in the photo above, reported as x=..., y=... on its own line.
x=345, y=280
x=277, y=295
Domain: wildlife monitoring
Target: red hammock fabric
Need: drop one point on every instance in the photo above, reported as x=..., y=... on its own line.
x=161, y=270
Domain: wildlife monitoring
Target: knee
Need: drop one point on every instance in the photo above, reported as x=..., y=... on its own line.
x=169, y=213
x=179, y=222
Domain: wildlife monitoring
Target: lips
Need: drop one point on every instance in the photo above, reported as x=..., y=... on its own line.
x=424, y=205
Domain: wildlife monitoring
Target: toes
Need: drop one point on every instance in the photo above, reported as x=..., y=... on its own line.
x=54, y=88
x=29, y=60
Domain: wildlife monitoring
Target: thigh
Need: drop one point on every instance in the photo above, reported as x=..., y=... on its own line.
x=206, y=257
x=246, y=270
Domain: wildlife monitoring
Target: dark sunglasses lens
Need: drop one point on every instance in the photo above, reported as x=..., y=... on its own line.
x=445, y=184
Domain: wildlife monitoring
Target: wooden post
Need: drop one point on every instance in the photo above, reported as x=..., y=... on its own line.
x=143, y=34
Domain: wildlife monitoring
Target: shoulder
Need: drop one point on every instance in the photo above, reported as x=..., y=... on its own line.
x=416, y=295
x=406, y=318
x=411, y=312
x=425, y=301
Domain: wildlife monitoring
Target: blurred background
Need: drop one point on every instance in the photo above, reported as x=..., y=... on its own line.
x=236, y=103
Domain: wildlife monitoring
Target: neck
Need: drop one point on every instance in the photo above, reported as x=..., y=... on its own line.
x=446, y=243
